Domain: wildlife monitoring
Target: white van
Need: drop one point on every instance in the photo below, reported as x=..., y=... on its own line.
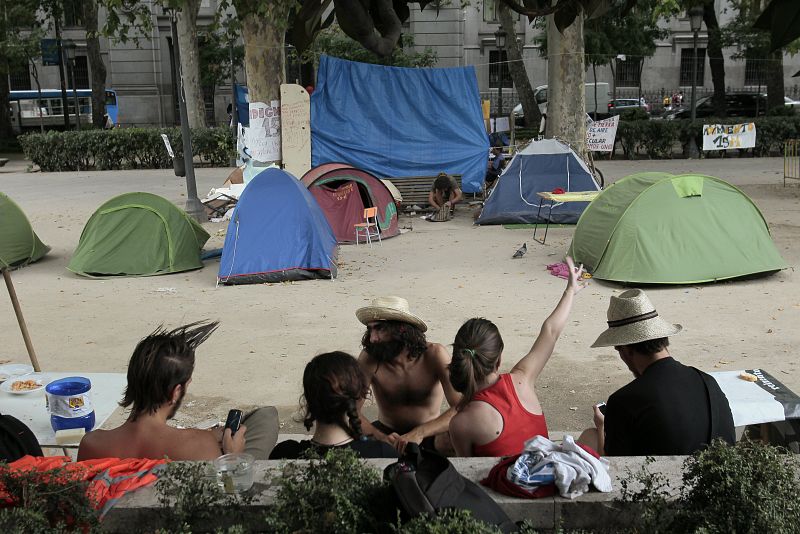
x=603, y=98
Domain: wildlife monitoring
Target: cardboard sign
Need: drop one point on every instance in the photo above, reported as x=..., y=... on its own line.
x=264, y=134
x=727, y=136
x=296, y=129
x=600, y=135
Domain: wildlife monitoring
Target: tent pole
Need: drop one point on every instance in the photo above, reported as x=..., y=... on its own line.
x=21, y=320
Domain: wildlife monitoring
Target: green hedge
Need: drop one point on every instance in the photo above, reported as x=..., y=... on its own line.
x=123, y=148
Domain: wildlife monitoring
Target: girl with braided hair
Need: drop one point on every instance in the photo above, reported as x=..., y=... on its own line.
x=499, y=412
x=334, y=389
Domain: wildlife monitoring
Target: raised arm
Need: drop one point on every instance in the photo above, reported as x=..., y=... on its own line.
x=532, y=364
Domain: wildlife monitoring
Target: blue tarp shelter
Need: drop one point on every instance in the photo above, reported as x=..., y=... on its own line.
x=277, y=233
x=394, y=121
x=541, y=166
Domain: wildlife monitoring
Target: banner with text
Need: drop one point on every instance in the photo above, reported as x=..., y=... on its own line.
x=727, y=136
x=264, y=134
x=600, y=135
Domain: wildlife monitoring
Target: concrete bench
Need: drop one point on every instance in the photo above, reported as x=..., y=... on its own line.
x=592, y=510
x=415, y=189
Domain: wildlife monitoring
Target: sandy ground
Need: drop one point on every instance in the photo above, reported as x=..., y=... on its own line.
x=449, y=272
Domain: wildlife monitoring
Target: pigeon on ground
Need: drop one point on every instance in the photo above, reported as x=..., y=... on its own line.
x=521, y=251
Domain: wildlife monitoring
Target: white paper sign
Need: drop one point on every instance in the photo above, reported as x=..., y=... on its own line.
x=600, y=135
x=726, y=136
x=264, y=134
x=169, y=147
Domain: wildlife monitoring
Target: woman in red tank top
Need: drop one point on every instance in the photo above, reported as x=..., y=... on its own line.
x=498, y=412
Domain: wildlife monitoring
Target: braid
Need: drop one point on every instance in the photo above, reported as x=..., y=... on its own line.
x=354, y=420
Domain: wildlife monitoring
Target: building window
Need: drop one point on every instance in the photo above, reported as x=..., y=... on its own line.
x=754, y=72
x=628, y=73
x=19, y=79
x=498, y=69
x=687, y=54
x=81, y=74
x=490, y=14
x=73, y=13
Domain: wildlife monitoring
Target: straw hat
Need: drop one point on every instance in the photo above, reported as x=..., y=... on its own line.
x=632, y=318
x=389, y=309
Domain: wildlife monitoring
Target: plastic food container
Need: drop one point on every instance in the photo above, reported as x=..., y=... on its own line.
x=69, y=401
x=235, y=472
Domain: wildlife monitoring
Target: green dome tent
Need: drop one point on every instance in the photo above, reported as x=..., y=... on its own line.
x=138, y=234
x=656, y=228
x=19, y=244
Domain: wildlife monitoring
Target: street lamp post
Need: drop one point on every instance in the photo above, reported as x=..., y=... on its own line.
x=69, y=49
x=500, y=43
x=194, y=208
x=695, y=22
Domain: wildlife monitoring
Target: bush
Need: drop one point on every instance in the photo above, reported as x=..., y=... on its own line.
x=123, y=148
x=749, y=488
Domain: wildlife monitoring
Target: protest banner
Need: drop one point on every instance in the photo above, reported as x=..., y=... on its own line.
x=264, y=134
x=600, y=135
x=727, y=136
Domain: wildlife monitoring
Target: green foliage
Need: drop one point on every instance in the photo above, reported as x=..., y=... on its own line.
x=190, y=496
x=333, y=42
x=45, y=501
x=749, y=488
x=123, y=148
x=215, y=64
x=336, y=494
x=448, y=522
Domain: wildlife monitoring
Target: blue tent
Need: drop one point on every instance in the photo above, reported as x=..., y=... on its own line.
x=277, y=233
x=542, y=166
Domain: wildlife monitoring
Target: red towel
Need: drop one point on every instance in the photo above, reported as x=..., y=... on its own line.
x=498, y=481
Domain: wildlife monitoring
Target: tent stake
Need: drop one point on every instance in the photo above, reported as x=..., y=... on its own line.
x=21, y=320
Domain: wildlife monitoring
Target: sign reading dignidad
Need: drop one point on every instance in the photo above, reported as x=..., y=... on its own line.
x=727, y=136
x=263, y=137
x=600, y=135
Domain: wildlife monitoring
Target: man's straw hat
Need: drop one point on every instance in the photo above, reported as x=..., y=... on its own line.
x=632, y=318
x=389, y=309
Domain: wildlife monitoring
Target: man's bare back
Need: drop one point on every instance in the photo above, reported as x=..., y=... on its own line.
x=146, y=438
x=408, y=391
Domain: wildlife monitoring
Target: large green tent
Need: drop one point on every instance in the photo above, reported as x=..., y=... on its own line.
x=19, y=244
x=656, y=228
x=138, y=234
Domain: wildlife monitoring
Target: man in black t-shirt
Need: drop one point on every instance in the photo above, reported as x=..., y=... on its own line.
x=670, y=408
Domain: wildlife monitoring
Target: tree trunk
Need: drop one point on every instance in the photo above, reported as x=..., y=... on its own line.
x=775, y=90
x=96, y=65
x=566, y=93
x=190, y=63
x=6, y=132
x=715, y=60
x=519, y=73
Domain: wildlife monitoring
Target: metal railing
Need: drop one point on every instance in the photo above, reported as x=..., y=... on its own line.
x=791, y=160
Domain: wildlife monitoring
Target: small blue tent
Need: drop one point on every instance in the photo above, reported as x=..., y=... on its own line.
x=277, y=233
x=542, y=166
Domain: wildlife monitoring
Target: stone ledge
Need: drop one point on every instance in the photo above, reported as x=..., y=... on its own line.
x=141, y=507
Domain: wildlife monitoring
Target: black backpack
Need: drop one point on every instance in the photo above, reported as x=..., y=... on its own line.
x=16, y=440
x=425, y=482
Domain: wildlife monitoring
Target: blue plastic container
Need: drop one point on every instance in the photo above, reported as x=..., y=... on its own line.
x=69, y=402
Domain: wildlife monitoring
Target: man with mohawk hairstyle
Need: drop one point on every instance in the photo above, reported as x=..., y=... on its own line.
x=159, y=373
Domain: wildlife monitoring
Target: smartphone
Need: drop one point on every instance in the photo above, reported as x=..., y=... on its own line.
x=602, y=407
x=234, y=420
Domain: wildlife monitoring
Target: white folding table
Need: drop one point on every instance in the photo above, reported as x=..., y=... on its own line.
x=107, y=390
x=764, y=401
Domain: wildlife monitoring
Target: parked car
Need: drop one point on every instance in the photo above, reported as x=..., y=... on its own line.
x=620, y=105
x=738, y=105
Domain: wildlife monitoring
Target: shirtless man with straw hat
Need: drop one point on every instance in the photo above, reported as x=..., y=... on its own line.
x=669, y=408
x=408, y=375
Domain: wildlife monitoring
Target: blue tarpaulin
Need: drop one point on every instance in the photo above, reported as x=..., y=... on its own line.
x=395, y=122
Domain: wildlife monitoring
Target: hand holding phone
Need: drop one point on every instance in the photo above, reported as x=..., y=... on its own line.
x=602, y=407
x=234, y=421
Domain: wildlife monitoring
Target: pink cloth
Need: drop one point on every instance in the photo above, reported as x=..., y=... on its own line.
x=560, y=270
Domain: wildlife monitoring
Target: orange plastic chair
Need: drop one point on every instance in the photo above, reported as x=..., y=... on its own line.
x=369, y=228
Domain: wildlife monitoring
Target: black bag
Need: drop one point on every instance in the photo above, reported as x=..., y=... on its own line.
x=426, y=482
x=16, y=440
